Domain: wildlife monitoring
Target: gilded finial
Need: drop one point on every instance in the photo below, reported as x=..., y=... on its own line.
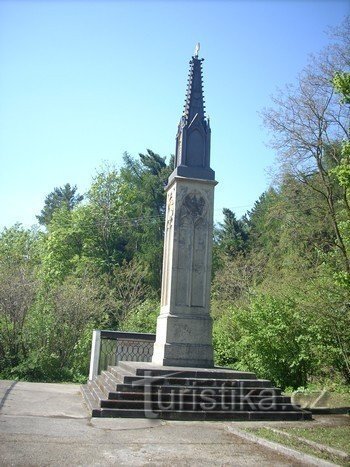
x=196, y=50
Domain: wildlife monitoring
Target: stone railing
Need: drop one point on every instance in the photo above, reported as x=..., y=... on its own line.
x=110, y=347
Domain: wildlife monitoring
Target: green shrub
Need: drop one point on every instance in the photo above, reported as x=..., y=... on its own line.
x=143, y=318
x=225, y=335
x=271, y=337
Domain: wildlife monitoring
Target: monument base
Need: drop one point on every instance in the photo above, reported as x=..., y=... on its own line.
x=146, y=390
x=176, y=355
x=183, y=340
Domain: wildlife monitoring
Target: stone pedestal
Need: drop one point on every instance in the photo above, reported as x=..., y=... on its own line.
x=184, y=326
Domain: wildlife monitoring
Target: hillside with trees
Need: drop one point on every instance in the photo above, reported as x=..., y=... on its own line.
x=281, y=276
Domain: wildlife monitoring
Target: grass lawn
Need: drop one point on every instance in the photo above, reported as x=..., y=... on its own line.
x=316, y=399
x=336, y=437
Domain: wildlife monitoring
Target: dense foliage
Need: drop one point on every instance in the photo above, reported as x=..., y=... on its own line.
x=97, y=265
x=281, y=278
x=281, y=292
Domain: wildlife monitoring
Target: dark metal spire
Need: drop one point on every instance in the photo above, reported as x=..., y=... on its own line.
x=194, y=103
x=193, y=137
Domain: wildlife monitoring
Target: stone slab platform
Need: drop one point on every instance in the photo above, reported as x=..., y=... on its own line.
x=139, y=369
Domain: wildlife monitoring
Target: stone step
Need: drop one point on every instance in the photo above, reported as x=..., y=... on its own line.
x=142, y=369
x=105, y=385
x=107, y=398
x=102, y=409
x=119, y=372
x=127, y=390
x=110, y=379
x=107, y=382
x=196, y=374
x=194, y=382
x=96, y=392
x=202, y=405
x=87, y=396
x=206, y=415
x=141, y=396
x=253, y=390
x=93, y=406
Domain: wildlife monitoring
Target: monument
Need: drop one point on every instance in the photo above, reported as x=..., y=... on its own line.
x=181, y=381
x=184, y=327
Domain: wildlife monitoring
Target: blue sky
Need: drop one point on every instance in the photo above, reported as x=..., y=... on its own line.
x=83, y=81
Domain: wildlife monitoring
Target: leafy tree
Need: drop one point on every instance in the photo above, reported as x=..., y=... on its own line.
x=19, y=260
x=232, y=234
x=144, y=181
x=340, y=317
x=142, y=318
x=288, y=318
x=20, y=246
x=234, y=278
x=263, y=223
x=65, y=196
x=58, y=332
x=128, y=290
x=62, y=247
x=91, y=237
x=225, y=336
x=307, y=122
x=105, y=219
x=341, y=83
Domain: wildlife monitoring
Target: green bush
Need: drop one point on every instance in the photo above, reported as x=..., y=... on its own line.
x=56, y=334
x=225, y=335
x=143, y=318
x=271, y=337
x=39, y=365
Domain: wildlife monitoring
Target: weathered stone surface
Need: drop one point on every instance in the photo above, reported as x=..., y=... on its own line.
x=184, y=327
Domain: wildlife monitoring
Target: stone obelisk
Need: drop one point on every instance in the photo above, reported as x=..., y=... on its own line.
x=184, y=326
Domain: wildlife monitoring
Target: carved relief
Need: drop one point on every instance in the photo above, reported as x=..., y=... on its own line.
x=170, y=210
x=192, y=253
x=193, y=205
x=179, y=148
x=167, y=245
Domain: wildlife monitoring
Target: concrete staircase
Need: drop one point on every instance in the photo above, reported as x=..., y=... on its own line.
x=139, y=390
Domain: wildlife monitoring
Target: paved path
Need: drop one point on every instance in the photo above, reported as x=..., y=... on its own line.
x=48, y=424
